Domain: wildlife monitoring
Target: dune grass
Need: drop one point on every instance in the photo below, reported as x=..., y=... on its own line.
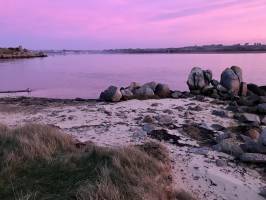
x=38, y=162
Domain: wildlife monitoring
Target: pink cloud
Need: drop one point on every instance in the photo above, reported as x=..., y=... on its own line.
x=130, y=23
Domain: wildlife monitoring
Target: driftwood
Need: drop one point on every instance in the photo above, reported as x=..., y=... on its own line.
x=17, y=91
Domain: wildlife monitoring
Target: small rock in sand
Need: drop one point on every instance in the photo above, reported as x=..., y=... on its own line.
x=164, y=119
x=221, y=163
x=229, y=148
x=168, y=111
x=163, y=135
x=149, y=127
x=155, y=104
x=250, y=118
x=176, y=95
x=148, y=119
x=201, y=151
x=196, y=108
x=220, y=113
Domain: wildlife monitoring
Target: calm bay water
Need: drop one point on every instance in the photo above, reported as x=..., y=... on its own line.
x=86, y=75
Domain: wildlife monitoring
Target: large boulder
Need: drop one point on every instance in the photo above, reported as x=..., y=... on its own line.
x=198, y=78
x=162, y=90
x=127, y=94
x=144, y=92
x=231, y=79
x=151, y=85
x=112, y=94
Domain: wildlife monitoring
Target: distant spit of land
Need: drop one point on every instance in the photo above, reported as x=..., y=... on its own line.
x=19, y=52
x=214, y=48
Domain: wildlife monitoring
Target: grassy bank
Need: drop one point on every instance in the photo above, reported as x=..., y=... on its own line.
x=40, y=162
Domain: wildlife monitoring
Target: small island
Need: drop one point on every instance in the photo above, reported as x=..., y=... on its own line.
x=19, y=52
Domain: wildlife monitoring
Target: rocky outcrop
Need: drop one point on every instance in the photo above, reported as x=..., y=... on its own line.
x=135, y=90
x=112, y=94
x=199, y=79
x=231, y=79
x=200, y=82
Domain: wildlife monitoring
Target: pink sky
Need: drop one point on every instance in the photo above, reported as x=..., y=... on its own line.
x=101, y=24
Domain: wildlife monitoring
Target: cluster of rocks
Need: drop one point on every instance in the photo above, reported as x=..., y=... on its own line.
x=19, y=52
x=247, y=101
x=250, y=148
x=231, y=84
x=135, y=90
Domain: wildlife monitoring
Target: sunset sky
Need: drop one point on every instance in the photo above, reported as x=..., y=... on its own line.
x=104, y=24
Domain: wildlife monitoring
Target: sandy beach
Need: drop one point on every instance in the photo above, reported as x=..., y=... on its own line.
x=196, y=168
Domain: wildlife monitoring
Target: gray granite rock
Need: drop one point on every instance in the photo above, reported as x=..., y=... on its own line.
x=144, y=92
x=176, y=94
x=220, y=163
x=251, y=118
x=197, y=79
x=127, y=94
x=112, y=94
x=229, y=148
x=162, y=90
x=230, y=80
x=253, y=158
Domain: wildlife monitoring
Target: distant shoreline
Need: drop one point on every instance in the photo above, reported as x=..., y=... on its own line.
x=206, y=49
x=155, y=53
x=19, y=53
